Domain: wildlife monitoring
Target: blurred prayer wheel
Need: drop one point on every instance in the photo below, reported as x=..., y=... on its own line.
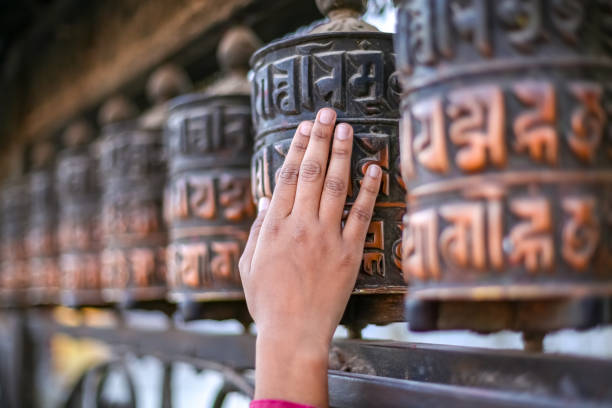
x=15, y=271
x=348, y=65
x=78, y=194
x=208, y=206
x=134, y=168
x=41, y=239
x=506, y=153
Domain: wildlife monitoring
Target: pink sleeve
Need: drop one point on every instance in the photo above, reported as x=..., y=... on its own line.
x=276, y=404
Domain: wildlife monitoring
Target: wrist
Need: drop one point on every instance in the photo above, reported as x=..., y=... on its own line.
x=298, y=347
x=291, y=369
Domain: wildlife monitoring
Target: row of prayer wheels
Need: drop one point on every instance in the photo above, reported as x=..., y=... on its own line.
x=495, y=209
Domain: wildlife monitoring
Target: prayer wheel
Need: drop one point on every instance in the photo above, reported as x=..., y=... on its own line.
x=129, y=209
x=134, y=168
x=208, y=206
x=79, y=231
x=348, y=65
x=41, y=238
x=15, y=269
x=506, y=152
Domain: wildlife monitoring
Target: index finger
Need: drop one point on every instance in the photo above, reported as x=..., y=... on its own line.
x=283, y=196
x=358, y=221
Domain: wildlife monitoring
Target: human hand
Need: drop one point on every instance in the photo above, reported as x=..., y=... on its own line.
x=299, y=265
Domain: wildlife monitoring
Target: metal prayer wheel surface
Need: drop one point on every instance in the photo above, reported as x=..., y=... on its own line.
x=134, y=167
x=79, y=232
x=15, y=271
x=506, y=153
x=347, y=65
x=41, y=238
x=208, y=206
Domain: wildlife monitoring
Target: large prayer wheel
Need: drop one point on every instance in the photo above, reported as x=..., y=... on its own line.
x=41, y=239
x=15, y=269
x=507, y=157
x=79, y=236
x=346, y=64
x=209, y=208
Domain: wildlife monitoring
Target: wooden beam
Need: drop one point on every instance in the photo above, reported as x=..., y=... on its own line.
x=125, y=40
x=111, y=46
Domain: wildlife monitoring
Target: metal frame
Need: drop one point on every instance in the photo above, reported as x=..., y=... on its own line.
x=362, y=373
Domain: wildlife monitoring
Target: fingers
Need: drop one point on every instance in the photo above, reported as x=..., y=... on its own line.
x=337, y=178
x=286, y=183
x=247, y=255
x=312, y=170
x=358, y=221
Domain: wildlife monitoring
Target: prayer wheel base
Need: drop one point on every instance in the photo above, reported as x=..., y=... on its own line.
x=43, y=297
x=149, y=305
x=126, y=297
x=14, y=298
x=360, y=311
x=379, y=309
x=487, y=316
x=191, y=310
x=83, y=298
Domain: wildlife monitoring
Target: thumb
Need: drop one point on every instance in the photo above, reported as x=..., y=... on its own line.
x=245, y=260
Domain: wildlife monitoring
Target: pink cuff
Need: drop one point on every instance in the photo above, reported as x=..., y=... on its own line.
x=276, y=404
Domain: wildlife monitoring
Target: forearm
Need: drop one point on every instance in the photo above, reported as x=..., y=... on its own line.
x=287, y=370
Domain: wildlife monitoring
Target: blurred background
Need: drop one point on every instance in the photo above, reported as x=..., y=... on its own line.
x=60, y=58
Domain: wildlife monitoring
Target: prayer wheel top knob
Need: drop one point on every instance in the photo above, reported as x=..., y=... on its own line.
x=344, y=16
x=166, y=82
x=117, y=109
x=329, y=7
x=234, y=52
x=77, y=133
x=236, y=47
x=42, y=154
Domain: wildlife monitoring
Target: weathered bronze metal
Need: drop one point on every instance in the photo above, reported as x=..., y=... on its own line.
x=348, y=65
x=15, y=269
x=134, y=168
x=41, y=239
x=209, y=206
x=79, y=236
x=506, y=154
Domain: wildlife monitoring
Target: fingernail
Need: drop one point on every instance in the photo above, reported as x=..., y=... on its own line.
x=373, y=170
x=327, y=116
x=343, y=131
x=263, y=204
x=305, y=128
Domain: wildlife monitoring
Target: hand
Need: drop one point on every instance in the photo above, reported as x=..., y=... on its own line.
x=299, y=265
